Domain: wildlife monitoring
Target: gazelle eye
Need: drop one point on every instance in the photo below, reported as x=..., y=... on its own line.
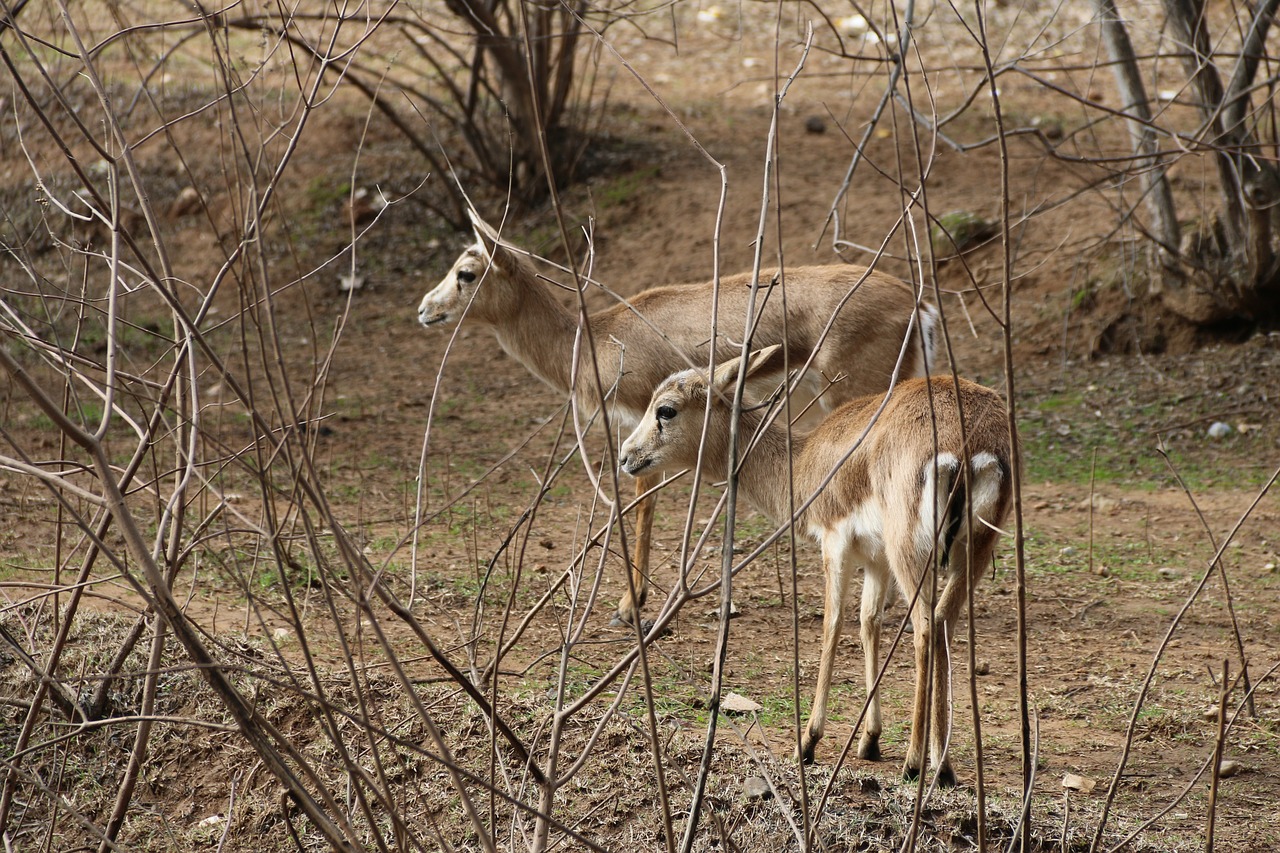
x=465, y=276
x=665, y=413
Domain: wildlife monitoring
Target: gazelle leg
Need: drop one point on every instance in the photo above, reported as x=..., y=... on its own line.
x=940, y=722
x=837, y=569
x=922, y=637
x=629, y=607
x=946, y=614
x=874, y=585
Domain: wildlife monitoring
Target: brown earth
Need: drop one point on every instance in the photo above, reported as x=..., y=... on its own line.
x=1114, y=547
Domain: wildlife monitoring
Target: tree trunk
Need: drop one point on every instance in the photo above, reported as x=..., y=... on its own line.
x=1156, y=192
x=1239, y=280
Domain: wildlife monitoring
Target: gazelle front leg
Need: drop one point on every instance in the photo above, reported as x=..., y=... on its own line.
x=837, y=569
x=633, y=598
x=874, y=586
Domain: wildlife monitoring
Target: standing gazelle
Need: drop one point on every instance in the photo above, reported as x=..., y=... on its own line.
x=839, y=316
x=899, y=501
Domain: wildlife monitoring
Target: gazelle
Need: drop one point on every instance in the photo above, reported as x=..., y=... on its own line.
x=899, y=501
x=850, y=321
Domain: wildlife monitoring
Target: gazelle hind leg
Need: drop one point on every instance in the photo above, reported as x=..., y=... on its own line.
x=951, y=601
x=922, y=639
x=912, y=570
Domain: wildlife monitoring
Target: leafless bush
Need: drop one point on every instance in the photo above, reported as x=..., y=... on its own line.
x=1195, y=94
x=171, y=443
x=506, y=90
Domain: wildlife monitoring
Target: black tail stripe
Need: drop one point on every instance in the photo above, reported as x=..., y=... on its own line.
x=955, y=517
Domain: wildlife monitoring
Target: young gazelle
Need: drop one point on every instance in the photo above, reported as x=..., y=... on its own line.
x=898, y=480
x=847, y=315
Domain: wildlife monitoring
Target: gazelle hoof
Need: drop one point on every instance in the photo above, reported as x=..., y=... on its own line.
x=869, y=748
x=946, y=777
x=807, y=746
x=646, y=625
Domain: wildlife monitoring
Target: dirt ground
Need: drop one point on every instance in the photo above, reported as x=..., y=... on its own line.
x=1112, y=403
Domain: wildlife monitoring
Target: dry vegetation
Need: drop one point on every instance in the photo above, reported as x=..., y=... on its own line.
x=341, y=546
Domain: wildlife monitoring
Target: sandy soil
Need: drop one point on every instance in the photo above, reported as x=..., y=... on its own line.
x=1114, y=546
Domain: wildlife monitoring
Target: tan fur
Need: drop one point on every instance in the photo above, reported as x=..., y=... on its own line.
x=664, y=329
x=878, y=511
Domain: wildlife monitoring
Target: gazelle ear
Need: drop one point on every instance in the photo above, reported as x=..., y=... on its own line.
x=766, y=360
x=727, y=373
x=485, y=233
x=486, y=237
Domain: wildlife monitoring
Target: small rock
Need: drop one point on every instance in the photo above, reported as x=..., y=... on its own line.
x=1050, y=127
x=852, y=25
x=280, y=635
x=1167, y=573
x=360, y=208
x=958, y=231
x=1219, y=430
x=1102, y=572
x=732, y=703
x=349, y=283
x=1067, y=552
x=1228, y=768
x=548, y=544
x=1269, y=567
x=1210, y=713
x=757, y=788
x=1101, y=504
x=815, y=124
x=185, y=203
x=1083, y=784
x=734, y=612
x=982, y=667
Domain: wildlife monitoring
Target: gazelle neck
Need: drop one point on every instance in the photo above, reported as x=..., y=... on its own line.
x=762, y=474
x=540, y=335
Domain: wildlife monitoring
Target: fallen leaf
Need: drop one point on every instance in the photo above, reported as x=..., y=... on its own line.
x=732, y=703
x=1083, y=784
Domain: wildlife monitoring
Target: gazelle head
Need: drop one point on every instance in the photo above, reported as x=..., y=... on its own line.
x=480, y=278
x=669, y=434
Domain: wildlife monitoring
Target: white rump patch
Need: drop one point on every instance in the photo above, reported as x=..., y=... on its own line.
x=986, y=481
x=939, y=475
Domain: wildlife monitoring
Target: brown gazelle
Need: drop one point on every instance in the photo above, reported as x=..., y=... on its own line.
x=899, y=503
x=848, y=322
